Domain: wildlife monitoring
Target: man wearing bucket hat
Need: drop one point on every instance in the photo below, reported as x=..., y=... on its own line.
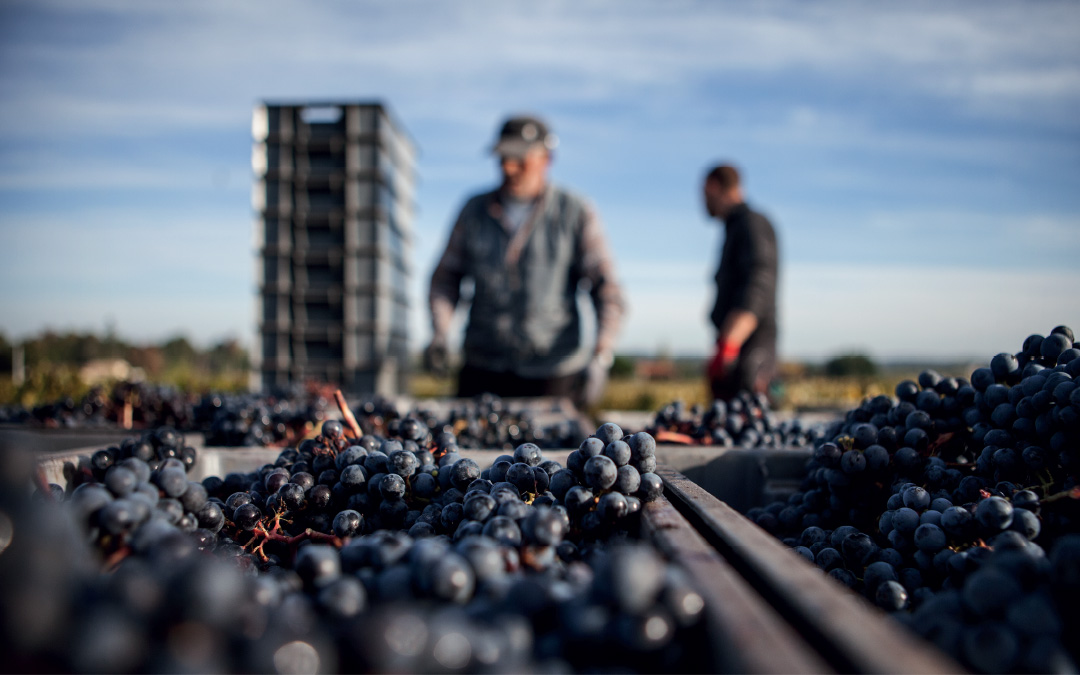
x=527, y=247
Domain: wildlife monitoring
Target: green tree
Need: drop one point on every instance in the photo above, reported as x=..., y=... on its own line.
x=227, y=355
x=850, y=365
x=623, y=367
x=178, y=350
x=53, y=360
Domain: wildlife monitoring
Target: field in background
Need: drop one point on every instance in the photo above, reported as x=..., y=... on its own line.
x=62, y=366
x=799, y=388
x=56, y=383
x=621, y=393
x=68, y=365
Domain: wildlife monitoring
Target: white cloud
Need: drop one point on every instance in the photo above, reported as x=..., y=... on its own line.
x=906, y=311
x=195, y=63
x=1040, y=228
x=944, y=237
x=99, y=174
x=888, y=312
x=1033, y=83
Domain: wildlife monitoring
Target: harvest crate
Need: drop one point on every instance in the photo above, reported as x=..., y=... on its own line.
x=766, y=609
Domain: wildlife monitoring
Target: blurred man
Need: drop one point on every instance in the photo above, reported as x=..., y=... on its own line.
x=526, y=247
x=745, y=309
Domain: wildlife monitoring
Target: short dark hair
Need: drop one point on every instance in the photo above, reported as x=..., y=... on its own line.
x=724, y=174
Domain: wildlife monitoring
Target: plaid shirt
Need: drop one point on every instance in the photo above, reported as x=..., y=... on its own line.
x=524, y=317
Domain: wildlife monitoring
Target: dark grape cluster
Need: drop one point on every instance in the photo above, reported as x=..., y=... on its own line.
x=148, y=406
x=747, y=421
x=152, y=449
x=278, y=418
x=485, y=422
x=955, y=505
x=490, y=422
x=372, y=554
x=284, y=416
x=249, y=420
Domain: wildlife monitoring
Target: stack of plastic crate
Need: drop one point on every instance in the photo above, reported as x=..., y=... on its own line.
x=334, y=186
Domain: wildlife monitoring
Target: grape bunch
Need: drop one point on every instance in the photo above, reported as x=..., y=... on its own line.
x=152, y=449
x=280, y=417
x=249, y=420
x=284, y=416
x=484, y=422
x=368, y=554
x=150, y=406
x=746, y=422
x=955, y=506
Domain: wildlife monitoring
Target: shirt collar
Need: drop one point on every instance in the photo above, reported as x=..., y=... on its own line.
x=736, y=211
x=497, y=200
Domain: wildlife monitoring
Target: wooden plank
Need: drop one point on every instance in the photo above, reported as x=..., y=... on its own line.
x=850, y=633
x=748, y=635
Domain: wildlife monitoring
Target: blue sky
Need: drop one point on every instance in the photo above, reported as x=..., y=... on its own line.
x=921, y=161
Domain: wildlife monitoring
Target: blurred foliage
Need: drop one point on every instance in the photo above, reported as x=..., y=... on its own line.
x=426, y=385
x=652, y=395
x=850, y=365
x=822, y=392
x=798, y=386
x=43, y=384
x=53, y=362
x=622, y=368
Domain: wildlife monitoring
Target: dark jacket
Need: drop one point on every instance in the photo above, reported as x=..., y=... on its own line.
x=747, y=275
x=524, y=318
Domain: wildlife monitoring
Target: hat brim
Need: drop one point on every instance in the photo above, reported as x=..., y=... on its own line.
x=515, y=147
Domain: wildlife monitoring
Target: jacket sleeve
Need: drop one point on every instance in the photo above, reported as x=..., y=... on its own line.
x=598, y=266
x=445, y=290
x=759, y=290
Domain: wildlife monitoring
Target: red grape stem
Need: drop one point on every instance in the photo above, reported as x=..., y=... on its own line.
x=532, y=557
x=1047, y=480
x=1074, y=493
x=115, y=558
x=940, y=441
x=347, y=415
x=262, y=535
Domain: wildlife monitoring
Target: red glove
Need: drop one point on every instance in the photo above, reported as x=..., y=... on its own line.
x=726, y=354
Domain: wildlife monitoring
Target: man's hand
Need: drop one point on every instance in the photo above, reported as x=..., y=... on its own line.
x=723, y=360
x=596, y=377
x=437, y=357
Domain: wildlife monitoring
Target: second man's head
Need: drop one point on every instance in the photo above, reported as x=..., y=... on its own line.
x=723, y=190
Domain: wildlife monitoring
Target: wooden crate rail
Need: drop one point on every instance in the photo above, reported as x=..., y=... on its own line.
x=850, y=634
x=747, y=635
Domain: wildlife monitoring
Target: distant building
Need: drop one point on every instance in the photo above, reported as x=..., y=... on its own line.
x=654, y=369
x=334, y=193
x=102, y=371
